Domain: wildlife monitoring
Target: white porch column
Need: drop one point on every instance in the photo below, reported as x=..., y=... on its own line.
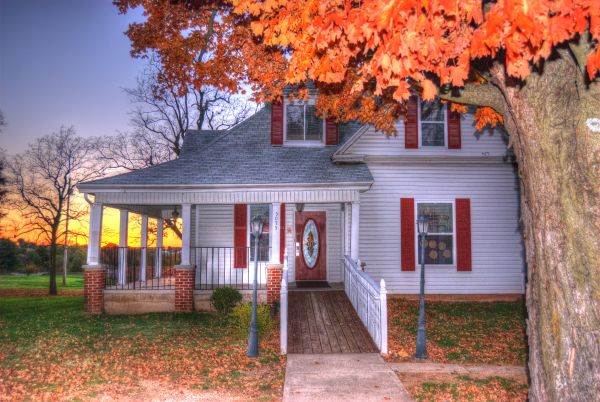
x=186, y=231
x=159, y=244
x=275, y=232
x=354, y=230
x=95, y=233
x=144, y=247
x=123, y=233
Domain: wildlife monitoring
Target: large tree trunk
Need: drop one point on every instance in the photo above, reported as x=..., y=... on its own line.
x=558, y=153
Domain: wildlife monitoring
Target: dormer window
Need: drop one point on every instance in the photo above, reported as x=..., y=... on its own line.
x=432, y=124
x=302, y=125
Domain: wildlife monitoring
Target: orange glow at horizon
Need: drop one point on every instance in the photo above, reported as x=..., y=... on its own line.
x=78, y=230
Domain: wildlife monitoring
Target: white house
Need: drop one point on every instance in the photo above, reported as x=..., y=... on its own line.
x=325, y=191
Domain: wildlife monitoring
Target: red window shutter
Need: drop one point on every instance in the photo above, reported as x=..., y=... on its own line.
x=463, y=234
x=331, y=132
x=277, y=122
x=407, y=234
x=453, y=130
x=411, y=123
x=240, y=237
x=282, y=234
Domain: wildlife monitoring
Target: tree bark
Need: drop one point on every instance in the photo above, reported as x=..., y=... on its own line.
x=53, y=290
x=558, y=152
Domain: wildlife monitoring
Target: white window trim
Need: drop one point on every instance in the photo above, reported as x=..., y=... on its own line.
x=249, y=232
x=445, y=146
x=416, y=209
x=301, y=143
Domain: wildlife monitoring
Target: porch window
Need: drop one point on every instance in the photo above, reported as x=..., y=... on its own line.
x=261, y=210
x=432, y=118
x=439, y=242
x=302, y=124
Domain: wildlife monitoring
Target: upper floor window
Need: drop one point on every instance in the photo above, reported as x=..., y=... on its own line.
x=432, y=124
x=302, y=124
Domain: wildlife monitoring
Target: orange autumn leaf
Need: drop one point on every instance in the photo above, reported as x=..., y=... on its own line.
x=486, y=116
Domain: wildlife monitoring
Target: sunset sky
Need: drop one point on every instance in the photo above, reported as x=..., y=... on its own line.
x=66, y=62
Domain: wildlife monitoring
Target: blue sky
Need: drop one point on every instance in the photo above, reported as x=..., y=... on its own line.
x=63, y=62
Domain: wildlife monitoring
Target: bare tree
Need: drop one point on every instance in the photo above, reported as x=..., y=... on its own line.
x=40, y=180
x=163, y=114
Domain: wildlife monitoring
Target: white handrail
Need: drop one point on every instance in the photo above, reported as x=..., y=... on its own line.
x=283, y=305
x=369, y=299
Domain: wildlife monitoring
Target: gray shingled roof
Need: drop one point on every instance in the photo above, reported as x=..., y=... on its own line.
x=244, y=155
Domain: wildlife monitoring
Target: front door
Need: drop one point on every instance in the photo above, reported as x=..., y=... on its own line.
x=311, y=261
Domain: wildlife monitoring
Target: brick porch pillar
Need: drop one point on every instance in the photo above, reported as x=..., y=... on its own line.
x=274, y=275
x=184, y=287
x=93, y=288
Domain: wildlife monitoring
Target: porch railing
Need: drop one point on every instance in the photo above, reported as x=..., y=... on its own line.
x=143, y=267
x=218, y=267
x=369, y=300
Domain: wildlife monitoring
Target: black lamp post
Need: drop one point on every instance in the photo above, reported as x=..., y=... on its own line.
x=257, y=228
x=422, y=226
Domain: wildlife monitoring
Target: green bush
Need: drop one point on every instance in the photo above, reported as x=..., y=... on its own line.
x=243, y=316
x=225, y=299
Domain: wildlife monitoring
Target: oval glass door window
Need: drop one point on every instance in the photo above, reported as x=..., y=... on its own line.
x=310, y=244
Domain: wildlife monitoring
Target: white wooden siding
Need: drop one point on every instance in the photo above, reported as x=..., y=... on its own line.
x=497, y=250
x=489, y=143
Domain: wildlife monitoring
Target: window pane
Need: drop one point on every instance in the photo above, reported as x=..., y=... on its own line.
x=295, y=122
x=438, y=249
x=432, y=111
x=314, y=124
x=261, y=210
x=432, y=134
x=439, y=216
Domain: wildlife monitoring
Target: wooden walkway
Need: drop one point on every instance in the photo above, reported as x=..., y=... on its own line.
x=325, y=322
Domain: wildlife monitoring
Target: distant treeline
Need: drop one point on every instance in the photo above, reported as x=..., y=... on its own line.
x=30, y=258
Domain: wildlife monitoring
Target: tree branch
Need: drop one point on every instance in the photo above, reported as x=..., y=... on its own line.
x=482, y=95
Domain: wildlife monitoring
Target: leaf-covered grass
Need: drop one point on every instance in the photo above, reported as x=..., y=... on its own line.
x=41, y=282
x=470, y=389
x=51, y=347
x=461, y=332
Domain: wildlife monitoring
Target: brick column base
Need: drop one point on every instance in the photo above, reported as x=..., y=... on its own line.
x=185, y=276
x=274, y=275
x=93, y=288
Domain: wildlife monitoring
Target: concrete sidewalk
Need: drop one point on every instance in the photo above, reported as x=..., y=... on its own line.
x=341, y=377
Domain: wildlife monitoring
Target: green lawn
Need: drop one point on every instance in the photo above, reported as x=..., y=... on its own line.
x=460, y=332
x=50, y=347
x=74, y=282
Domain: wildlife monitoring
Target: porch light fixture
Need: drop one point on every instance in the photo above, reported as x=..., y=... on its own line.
x=175, y=214
x=421, y=352
x=256, y=226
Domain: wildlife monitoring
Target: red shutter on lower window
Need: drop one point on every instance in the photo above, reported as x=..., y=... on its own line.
x=407, y=234
x=282, y=234
x=240, y=237
x=463, y=235
x=277, y=122
x=411, y=123
x=331, y=132
x=453, y=130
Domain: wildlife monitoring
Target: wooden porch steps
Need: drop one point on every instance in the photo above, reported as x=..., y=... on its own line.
x=324, y=321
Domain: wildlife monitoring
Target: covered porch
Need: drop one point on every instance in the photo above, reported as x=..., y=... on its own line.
x=211, y=227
